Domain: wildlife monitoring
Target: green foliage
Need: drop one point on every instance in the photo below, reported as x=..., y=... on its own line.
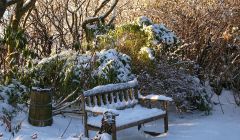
x=55, y=72
x=70, y=70
x=130, y=38
x=15, y=38
x=17, y=41
x=146, y=60
x=104, y=42
x=93, y=30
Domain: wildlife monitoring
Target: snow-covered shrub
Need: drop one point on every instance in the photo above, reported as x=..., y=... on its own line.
x=129, y=38
x=159, y=33
x=12, y=98
x=69, y=69
x=144, y=21
x=113, y=66
x=186, y=90
x=188, y=93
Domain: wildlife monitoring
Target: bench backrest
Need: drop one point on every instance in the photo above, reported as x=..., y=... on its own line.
x=114, y=96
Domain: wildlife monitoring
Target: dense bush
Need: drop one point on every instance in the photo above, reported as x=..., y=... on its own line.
x=133, y=38
x=209, y=30
x=156, y=59
x=187, y=90
x=69, y=69
x=12, y=98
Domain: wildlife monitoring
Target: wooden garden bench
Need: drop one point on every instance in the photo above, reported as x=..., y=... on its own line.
x=125, y=100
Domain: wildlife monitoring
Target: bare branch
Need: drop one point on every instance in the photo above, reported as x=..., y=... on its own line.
x=96, y=18
x=104, y=2
x=27, y=5
x=10, y=2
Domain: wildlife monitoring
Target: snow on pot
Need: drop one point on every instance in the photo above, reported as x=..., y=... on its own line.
x=40, y=110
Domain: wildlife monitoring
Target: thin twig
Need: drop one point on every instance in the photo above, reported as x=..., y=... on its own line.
x=66, y=128
x=220, y=104
x=67, y=104
x=65, y=99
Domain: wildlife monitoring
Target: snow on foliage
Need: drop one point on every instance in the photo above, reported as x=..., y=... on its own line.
x=71, y=68
x=158, y=33
x=144, y=21
x=11, y=97
x=118, y=63
x=187, y=91
x=148, y=51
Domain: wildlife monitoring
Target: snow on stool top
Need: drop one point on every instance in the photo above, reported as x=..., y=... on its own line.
x=156, y=97
x=111, y=87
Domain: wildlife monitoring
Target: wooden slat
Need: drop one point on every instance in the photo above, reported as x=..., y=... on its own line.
x=104, y=99
x=140, y=122
x=133, y=124
x=135, y=91
x=120, y=96
x=93, y=100
x=89, y=101
x=112, y=98
x=125, y=95
x=99, y=101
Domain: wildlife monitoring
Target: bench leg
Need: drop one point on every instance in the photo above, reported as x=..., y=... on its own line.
x=86, y=132
x=114, y=132
x=166, y=123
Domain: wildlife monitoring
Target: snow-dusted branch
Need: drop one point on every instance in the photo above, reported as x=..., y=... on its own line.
x=103, y=3
x=10, y=2
x=27, y=5
x=101, y=17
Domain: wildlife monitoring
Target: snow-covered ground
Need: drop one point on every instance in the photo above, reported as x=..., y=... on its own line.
x=195, y=126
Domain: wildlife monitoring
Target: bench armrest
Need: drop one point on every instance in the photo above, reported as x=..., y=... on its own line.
x=155, y=97
x=152, y=100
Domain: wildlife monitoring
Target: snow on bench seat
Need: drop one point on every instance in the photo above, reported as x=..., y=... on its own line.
x=101, y=110
x=128, y=116
x=156, y=97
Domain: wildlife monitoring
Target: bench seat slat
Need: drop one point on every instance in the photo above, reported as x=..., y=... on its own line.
x=129, y=116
